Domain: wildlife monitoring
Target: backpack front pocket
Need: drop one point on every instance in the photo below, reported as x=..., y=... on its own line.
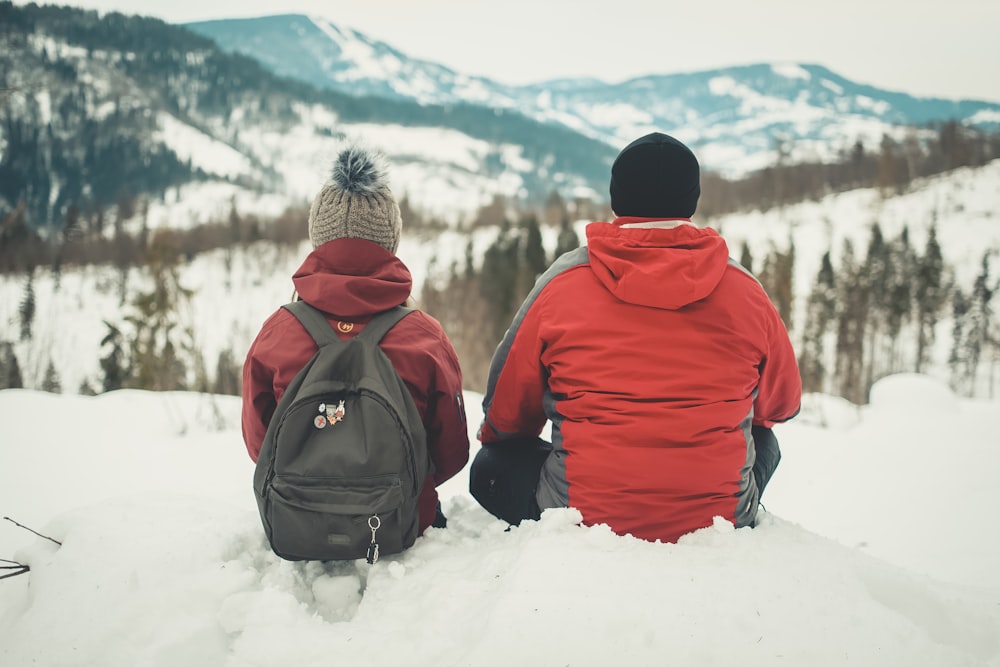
x=328, y=519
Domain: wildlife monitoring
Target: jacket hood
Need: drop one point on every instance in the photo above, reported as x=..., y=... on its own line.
x=666, y=268
x=352, y=278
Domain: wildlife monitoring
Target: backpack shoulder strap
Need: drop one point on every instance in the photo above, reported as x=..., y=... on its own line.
x=313, y=321
x=379, y=325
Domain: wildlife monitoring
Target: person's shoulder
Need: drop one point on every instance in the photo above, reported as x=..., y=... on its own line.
x=567, y=271
x=420, y=338
x=419, y=329
x=276, y=325
x=741, y=276
x=738, y=269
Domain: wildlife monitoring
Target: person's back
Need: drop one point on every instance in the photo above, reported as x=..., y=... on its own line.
x=351, y=275
x=653, y=355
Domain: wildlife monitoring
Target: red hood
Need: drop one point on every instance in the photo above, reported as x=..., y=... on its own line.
x=661, y=268
x=352, y=278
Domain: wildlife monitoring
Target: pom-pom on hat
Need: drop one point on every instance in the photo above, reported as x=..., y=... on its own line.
x=356, y=202
x=655, y=176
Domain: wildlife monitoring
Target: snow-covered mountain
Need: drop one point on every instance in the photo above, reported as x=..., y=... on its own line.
x=317, y=51
x=100, y=109
x=737, y=118
x=97, y=108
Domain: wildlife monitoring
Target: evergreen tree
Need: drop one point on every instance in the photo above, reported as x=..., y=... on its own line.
x=114, y=364
x=930, y=294
x=957, y=364
x=534, y=260
x=498, y=280
x=978, y=339
x=875, y=277
x=531, y=261
x=26, y=310
x=10, y=370
x=899, y=305
x=820, y=312
x=50, y=382
x=227, y=375
x=464, y=313
x=777, y=278
x=746, y=258
x=567, y=239
x=852, y=314
x=159, y=343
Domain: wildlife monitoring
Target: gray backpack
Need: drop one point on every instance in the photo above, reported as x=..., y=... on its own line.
x=345, y=455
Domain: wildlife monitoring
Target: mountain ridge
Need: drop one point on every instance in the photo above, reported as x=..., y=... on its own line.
x=737, y=117
x=102, y=107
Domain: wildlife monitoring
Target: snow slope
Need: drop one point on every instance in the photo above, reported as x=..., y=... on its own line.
x=877, y=548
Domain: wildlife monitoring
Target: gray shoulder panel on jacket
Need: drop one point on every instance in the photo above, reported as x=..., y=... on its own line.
x=565, y=262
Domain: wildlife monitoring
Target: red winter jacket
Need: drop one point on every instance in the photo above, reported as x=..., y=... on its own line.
x=652, y=354
x=352, y=280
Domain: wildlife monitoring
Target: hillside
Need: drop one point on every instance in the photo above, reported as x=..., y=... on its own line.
x=235, y=289
x=99, y=108
x=102, y=113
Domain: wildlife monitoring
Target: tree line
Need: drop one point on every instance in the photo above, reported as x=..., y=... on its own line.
x=869, y=314
x=877, y=313
x=892, y=167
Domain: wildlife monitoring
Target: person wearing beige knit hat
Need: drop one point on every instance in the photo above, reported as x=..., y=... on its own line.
x=351, y=275
x=356, y=202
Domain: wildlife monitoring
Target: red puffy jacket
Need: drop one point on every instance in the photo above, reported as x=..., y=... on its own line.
x=652, y=354
x=352, y=280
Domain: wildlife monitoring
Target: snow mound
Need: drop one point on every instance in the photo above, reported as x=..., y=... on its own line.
x=911, y=393
x=163, y=560
x=182, y=581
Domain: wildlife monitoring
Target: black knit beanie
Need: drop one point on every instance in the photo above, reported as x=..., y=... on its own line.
x=655, y=176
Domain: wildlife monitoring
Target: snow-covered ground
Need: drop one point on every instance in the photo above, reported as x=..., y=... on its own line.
x=878, y=548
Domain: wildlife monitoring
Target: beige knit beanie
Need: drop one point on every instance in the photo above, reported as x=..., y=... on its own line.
x=356, y=202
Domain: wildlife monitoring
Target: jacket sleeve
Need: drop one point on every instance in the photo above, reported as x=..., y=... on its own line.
x=276, y=355
x=513, y=403
x=259, y=401
x=779, y=395
x=445, y=421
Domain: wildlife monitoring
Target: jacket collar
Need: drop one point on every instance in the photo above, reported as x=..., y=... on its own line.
x=651, y=223
x=352, y=278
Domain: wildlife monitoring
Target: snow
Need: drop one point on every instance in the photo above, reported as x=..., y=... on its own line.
x=985, y=116
x=200, y=202
x=874, y=549
x=865, y=102
x=833, y=87
x=202, y=150
x=791, y=71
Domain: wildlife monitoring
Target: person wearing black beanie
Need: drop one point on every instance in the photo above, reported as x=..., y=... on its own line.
x=660, y=363
x=655, y=176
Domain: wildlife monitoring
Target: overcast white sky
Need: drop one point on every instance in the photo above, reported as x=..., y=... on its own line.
x=945, y=48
